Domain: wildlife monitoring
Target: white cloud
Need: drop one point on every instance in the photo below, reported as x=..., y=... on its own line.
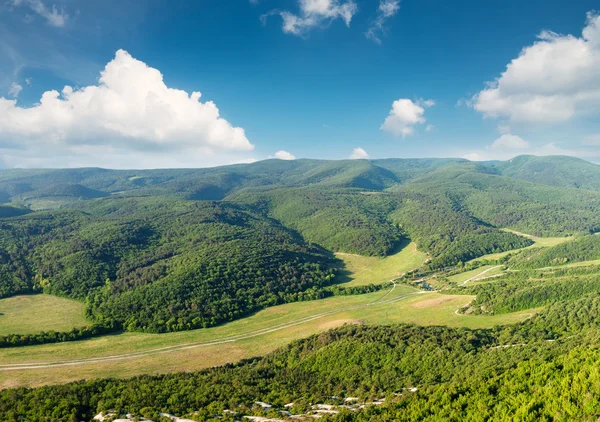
x=358, y=154
x=386, y=10
x=552, y=80
x=474, y=156
x=52, y=15
x=429, y=128
x=404, y=115
x=28, y=81
x=14, y=90
x=509, y=142
x=131, y=113
x=314, y=13
x=283, y=155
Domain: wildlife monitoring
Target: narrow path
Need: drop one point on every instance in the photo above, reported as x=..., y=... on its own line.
x=388, y=293
x=480, y=274
x=464, y=306
x=223, y=340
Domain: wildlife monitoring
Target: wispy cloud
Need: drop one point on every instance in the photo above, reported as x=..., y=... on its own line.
x=386, y=10
x=52, y=15
x=14, y=90
x=314, y=13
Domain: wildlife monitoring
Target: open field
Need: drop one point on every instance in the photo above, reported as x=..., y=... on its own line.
x=30, y=314
x=360, y=270
x=540, y=242
x=252, y=336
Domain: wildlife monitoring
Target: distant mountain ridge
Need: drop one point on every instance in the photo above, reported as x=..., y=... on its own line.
x=560, y=171
x=219, y=182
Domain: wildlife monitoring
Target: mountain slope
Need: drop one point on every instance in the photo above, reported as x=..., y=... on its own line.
x=502, y=201
x=560, y=171
x=160, y=265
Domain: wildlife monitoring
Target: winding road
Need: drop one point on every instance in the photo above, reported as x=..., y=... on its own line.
x=223, y=340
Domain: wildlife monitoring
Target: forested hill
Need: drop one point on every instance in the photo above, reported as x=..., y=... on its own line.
x=37, y=187
x=559, y=171
x=167, y=250
x=53, y=187
x=542, y=369
x=157, y=265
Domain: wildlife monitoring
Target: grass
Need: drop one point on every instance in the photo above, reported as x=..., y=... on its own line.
x=190, y=351
x=360, y=270
x=542, y=241
x=34, y=313
x=424, y=309
x=539, y=242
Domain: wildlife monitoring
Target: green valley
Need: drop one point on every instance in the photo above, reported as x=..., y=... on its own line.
x=108, y=275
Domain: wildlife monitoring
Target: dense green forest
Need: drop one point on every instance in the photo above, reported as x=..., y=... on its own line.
x=171, y=250
x=553, y=171
x=161, y=265
x=505, y=373
x=531, y=289
x=168, y=250
x=584, y=248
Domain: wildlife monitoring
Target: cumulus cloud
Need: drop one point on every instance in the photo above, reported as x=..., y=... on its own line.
x=283, y=155
x=131, y=112
x=52, y=15
x=358, y=154
x=386, y=10
x=314, y=13
x=551, y=81
x=509, y=142
x=405, y=115
x=14, y=90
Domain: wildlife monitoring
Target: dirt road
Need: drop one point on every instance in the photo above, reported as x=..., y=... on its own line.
x=223, y=340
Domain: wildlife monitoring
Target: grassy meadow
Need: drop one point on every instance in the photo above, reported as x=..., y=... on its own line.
x=253, y=336
x=28, y=314
x=361, y=270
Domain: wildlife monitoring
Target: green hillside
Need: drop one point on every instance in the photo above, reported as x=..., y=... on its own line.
x=164, y=250
x=560, y=171
x=501, y=201
x=399, y=373
x=160, y=266
x=581, y=249
x=171, y=250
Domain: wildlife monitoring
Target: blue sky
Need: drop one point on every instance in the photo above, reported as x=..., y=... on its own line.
x=318, y=88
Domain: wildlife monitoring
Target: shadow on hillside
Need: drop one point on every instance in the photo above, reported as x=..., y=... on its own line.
x=344, y=275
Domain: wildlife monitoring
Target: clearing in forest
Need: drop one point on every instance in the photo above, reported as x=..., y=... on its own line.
x=361, y=270
x=29, y=314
